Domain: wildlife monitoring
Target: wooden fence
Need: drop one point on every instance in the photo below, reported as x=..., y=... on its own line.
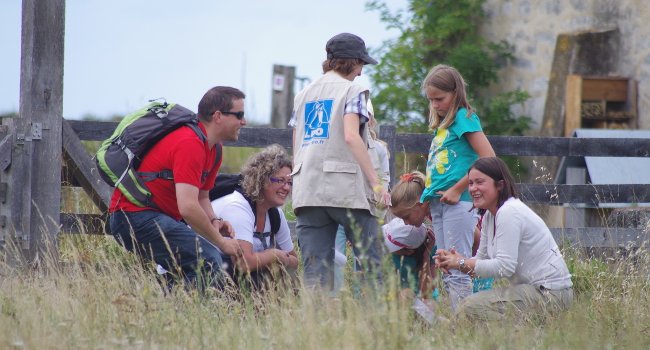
x=84, y=170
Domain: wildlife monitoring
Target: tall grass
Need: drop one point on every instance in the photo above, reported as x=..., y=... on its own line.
x=92, y=294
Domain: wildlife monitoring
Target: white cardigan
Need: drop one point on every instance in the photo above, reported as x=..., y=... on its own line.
x=523, y=249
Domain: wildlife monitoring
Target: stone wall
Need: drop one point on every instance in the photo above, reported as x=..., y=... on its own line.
x=532, y=27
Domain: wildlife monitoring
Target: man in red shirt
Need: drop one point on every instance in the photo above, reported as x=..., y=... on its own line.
x=158, y=234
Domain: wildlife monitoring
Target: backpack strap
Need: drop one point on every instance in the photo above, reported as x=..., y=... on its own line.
x=195, y=127
x=167, y=174
x=274, y=218
x=164, y=174
x=262, y=237
x=218, y=156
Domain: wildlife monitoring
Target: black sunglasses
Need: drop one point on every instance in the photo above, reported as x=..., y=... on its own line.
x=239, y=115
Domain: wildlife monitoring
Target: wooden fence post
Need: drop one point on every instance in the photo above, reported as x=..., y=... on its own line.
x=282, y=96
x=33, y=197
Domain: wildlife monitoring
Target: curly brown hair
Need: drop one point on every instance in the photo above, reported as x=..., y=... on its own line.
x=260, y=166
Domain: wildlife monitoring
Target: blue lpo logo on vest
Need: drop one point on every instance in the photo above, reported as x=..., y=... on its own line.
x=318, y=115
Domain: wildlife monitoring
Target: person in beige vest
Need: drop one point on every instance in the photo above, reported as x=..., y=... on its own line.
x=379, y=156
x=335, y=182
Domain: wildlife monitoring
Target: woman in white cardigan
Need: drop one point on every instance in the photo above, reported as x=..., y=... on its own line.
x=515, y=244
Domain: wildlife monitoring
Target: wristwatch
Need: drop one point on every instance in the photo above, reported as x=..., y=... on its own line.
x=461, y=264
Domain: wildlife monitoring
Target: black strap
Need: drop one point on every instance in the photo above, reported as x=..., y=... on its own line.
x=167, y=174
x=204, y=138
x=262, y=237
x=217, y=158
x=198, y=131
x=164, y=174
x=274, y=218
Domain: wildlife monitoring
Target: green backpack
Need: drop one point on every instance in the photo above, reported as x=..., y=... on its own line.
x=120, y=155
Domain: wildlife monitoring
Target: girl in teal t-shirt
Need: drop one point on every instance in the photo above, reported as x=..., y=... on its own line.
x=458, y=141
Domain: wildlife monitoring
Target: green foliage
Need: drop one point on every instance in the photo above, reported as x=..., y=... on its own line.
x=433, y=32
x=497, y=115
x=8, y=115
x=235, y=157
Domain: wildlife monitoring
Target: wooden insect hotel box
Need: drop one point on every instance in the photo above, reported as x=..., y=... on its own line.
x=601, y=102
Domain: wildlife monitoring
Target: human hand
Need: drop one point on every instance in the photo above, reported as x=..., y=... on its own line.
x=431, y=239
x=384, y=199
x=292, y=261
x=285, y=258
x=449, y=196
x=234, y=259
x=448, y=260
x=230, y=247
x=381, y=196
x=225, y=228
x=280, y=255
x=437, y=257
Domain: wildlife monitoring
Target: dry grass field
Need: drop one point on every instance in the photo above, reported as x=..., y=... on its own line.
x=90, y=294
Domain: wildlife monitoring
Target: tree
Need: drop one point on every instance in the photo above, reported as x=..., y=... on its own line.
x=433, y=32
x=8, y=115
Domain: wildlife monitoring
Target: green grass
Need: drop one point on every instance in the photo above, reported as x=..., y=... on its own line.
x=235, y=157
x=91, y=294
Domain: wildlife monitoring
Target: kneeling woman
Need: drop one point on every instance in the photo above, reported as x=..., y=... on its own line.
x=515, y=244
x=265, y=186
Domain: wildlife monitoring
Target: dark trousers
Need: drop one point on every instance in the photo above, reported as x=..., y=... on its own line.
x=316, y=228
x=171, y=244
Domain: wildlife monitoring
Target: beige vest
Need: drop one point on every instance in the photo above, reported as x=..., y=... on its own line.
x=325, y=172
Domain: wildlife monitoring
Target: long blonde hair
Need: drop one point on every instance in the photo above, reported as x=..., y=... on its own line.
x=406, y=194
x=447, y=79
x=372, y=125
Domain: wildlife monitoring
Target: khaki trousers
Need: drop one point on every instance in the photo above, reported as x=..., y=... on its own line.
x=518, y=300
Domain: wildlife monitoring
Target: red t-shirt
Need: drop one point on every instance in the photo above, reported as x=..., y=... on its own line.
x=187, y=156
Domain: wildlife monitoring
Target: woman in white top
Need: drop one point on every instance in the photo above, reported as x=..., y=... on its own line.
x=515, y=244
x=266, y=184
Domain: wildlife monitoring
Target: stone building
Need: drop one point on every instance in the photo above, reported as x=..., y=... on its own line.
x=533, y=27
x=542, y=31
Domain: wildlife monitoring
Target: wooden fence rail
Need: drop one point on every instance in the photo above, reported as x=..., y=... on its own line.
x=552, y=194
x=419, y=143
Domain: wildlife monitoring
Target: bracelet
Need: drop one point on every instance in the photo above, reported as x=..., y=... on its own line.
x=215, y=218
x=462, y=265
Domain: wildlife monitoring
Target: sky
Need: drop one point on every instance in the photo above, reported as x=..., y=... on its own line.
x=121, y=53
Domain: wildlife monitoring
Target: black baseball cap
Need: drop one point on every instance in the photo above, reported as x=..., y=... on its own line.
x=346, y=45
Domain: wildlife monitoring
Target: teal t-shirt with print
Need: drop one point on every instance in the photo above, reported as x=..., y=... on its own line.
x=406, y=266
x=450, y=156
